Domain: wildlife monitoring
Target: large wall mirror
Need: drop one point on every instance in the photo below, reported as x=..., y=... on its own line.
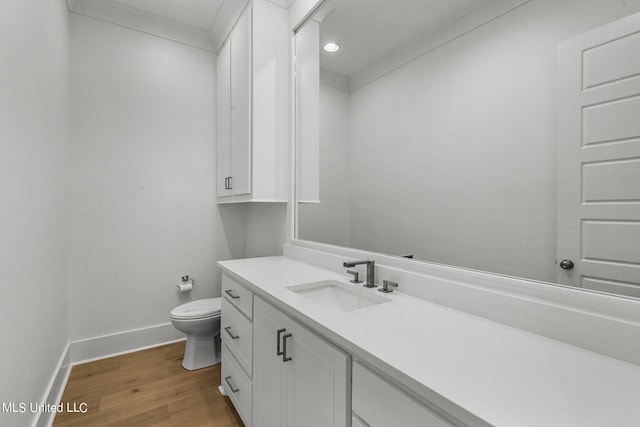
x=432, y=132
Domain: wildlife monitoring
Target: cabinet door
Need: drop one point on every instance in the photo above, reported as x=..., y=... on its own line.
x=223, y=134
x=269, y=407
x=240, y=182
x=317, y=380
x=378, y=403
x=306, y=384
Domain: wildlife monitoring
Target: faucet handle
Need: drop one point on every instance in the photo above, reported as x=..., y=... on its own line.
x=356, y=276
x=385, y=286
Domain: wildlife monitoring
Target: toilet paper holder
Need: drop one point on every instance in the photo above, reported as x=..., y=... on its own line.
x=186, y=285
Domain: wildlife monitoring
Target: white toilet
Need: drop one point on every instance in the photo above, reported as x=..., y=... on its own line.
x=200, y=320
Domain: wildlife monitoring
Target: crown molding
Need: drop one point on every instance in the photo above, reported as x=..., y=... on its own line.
x=432, y=40
x=226, y=19
x=128, y=17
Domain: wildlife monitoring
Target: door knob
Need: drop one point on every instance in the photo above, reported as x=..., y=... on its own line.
x=566, y=264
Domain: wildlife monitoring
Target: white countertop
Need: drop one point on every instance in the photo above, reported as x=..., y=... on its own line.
x=499, y=374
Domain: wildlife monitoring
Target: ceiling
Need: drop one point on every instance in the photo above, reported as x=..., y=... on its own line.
x=368, y=30
x=200, y=23
x=199, y=14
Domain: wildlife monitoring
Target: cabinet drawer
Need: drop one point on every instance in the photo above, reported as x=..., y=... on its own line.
x=398, y=409
x=237, y=385
x=237, y=333
x=237, y=295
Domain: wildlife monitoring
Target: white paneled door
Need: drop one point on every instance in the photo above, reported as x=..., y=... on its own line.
x=599, y=159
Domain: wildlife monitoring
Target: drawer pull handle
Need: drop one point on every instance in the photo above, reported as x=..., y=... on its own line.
x=285, y=358
x=234, y=337
x=279, y=352
x=233, y=389
x=228, y=292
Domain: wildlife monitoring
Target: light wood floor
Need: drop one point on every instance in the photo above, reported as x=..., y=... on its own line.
x=146, y=388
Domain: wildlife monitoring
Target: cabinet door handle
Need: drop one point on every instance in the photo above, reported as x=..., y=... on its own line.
x=279, y=352
x=228, y=292
x=230, y=183
x=227, y=183
x=232, y=388
x=233, y=337
x=285, y=358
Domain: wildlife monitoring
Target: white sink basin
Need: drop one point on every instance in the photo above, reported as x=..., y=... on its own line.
x=338, y=296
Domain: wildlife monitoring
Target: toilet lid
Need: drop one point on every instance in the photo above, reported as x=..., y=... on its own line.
x=197, y=309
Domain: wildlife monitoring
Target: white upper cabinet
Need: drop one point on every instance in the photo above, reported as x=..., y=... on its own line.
x=223, y=128
x=307, y=81
x=252, y=70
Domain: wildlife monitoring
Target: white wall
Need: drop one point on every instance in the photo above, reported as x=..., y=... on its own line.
x=266, y=229
x=329, y=221
x=247, y=230
x=107, y=182
x=142, y=193
x=34, y=140
x=469, y=131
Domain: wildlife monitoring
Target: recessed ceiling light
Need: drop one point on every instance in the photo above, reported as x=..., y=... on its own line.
x=331, y=47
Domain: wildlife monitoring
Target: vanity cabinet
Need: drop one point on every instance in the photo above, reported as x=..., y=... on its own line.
x=275, y=371
x=369, y=390
x=252, y=70
x=236, y=331
x=299, y=379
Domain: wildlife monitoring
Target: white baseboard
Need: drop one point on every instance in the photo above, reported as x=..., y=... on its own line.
x=102, y=347
x=53, y=393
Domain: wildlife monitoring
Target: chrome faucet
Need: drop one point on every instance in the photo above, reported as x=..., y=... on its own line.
x=371, y=273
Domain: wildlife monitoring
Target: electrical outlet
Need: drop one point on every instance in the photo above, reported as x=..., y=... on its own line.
x=185, y=278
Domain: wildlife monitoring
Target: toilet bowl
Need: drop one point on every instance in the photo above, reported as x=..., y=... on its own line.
x=200, y=320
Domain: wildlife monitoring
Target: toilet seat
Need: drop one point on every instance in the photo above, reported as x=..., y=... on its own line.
x=199, y=309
